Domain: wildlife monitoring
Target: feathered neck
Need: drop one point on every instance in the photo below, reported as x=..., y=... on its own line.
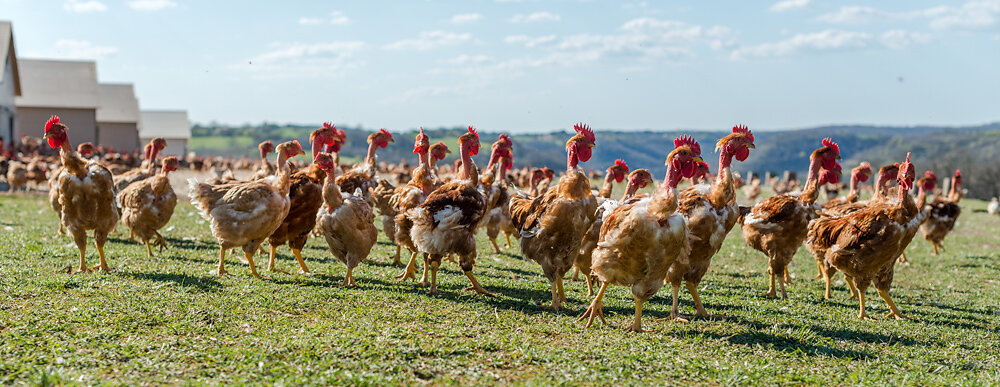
x=469, y=170
x=152, y=161
x=812, y=183
x=609, y=181
x=72, y=161
x=630, y=191
x=284, y=173
x=331, y=192
x=572, y=160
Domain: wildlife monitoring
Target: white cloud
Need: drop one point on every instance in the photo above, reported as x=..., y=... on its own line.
x=429, y=40
x=294, y=60
x=972, y=15
x=899, y=39
x=466, y=18
x=151, y=5
x=534, y=17
x=75, y=49
x=789, y=5
x=831, y=41
x=84, y=6
x=336, y=18
x=529, y=41
x=463, y=60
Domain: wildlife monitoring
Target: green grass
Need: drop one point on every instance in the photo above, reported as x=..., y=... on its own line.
x=167, y=320
x=217, y=144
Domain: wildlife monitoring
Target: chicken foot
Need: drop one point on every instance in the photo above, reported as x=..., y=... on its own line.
x=596, y=309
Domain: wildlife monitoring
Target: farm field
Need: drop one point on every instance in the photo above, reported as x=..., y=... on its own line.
x=167, y=320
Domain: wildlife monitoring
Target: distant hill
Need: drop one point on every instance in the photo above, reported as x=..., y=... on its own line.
x=974, y=149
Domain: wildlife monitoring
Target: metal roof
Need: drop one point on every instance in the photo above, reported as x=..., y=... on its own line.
x=7, y=51
x=117, y=103
x=165, y=123
x=58, y=84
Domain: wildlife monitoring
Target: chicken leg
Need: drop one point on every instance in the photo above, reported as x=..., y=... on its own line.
x=496, y=249
x=303, y=269
x=596, y=309
x=99, y=241
x=253, y=268
x=893, y=310
x=149, y=251
x=693, y=289
x=674, y=311
x=349, y=277
x=410, y=272
x=556, y=299
x=508, y=239
x=637, y=317
x=83, y=255
x=434, y=270
x=395, y=258
x=477, y=287
x=270, y=261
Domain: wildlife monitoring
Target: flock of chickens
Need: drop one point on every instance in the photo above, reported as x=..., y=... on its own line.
x=641, y=241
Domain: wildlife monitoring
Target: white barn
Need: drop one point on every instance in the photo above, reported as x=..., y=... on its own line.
x=56, y=87
x=173, y=125
x=10, y=83
x=118, y=117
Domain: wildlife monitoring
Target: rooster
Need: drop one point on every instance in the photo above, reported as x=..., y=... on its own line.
x=346, y=221
x=552, y=225
x=494, y=188
x=266, y=168
x=147, y=205
x=86, y=196
x=859, y=174
x=710, y=212
x=614, y=174
x=305, y=196
x=864, y=245
x=243, y=214
x=641, y=239
x=422, y=182
x=446, y=222
x=777, y=225
x=702, y=172
x=638, y=179
x=363, y=175
x=124, y=180
x=944, y=213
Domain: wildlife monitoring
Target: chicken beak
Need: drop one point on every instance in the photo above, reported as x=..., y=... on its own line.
x=591, y=145
x=46, y=136
x=698, y=159
x=751, y=146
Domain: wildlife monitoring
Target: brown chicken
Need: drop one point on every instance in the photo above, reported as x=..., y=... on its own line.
x=710, y=212
x=445, y=224
x=305, y=196
x=243, y=214
x=124, y=180
x=345, y=220
x=944, y=213
x=422, y=182
x=364, y=174
x=638, y=179
x=614, y=174
x=86, y=196
x=147, y=205
x=859, y=174
x=552, y=225
x=864, y=245
x=777, y=225
x=266, y=168
x=494, y=187
x=642, y=238
x=17, y=176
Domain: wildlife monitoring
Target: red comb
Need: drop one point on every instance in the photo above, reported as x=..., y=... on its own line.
x=827, y=142
x=743, y=129
x=386, y=132
x=297, y=144
x=865, y=165
x=328, y=125
x=958, y=173
x=506, y=139
x=473, y=131
x=621, y=164
x=583, y=129
x=48, y=124
x=930, y=174
x=689, y=141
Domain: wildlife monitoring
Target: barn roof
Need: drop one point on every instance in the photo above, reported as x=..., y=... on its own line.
x=7, y=51
x=117, y=103
x=58, y=84
x=165, y=123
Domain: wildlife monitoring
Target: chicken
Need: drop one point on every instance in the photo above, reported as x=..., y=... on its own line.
x=37, y=172
x=445, y=223
x=124, y=180
x=638, y=179
x=422, y=183
x=777, y=225
x=381, y=194
x=17, y=176
x=752, y=190
x=363, y=175
x=859, y=174
x=885, y=175
x=614, y=174
x=944, y=213
x=994, y=207
x=641, y=239
x=710, y=212
x=243, y=214
x=305, y=196
x=925, y=185
x=494, y=188
x=702, y=171
x=86, y=196
x=547, y=175
x=345, y=220
x=266, y=168
x=147, y=205
x=864, y=245
x=552, y=225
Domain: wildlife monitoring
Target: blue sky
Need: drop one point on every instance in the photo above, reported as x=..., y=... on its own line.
x=537, y=65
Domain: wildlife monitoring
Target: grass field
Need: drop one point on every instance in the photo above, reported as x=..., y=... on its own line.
x=168, y=320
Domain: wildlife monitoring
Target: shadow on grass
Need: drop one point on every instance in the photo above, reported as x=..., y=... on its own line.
x=201, y=283
x=863, y=336
x=790, y=345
